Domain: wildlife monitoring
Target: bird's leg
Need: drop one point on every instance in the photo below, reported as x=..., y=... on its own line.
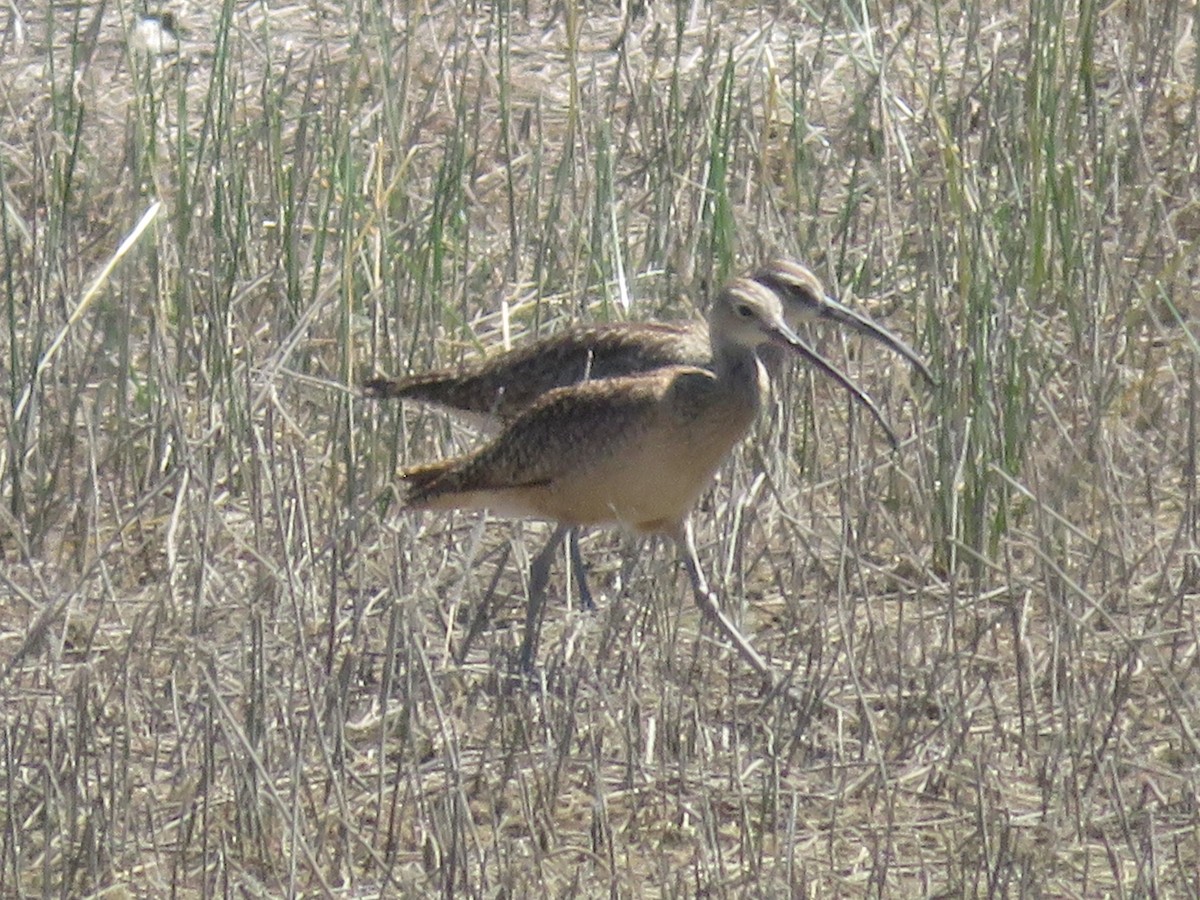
x=708, y=606
x=539, y=578
x=579, y=570
x=481, y=613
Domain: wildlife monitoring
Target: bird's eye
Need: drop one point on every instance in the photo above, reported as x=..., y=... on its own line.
x=744, y=311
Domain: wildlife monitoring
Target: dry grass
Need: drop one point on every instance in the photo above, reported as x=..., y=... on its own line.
x=231, y=667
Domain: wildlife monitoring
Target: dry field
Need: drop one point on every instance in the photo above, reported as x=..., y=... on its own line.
x=230, y=665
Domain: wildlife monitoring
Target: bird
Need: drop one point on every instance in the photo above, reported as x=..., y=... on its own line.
x=635, y=451
x=156, y=34
x=498, y=388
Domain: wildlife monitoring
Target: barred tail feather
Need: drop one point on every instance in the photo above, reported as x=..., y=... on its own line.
x=386, y=388
x=421, y=484
x=379, y=388
x=472, y=398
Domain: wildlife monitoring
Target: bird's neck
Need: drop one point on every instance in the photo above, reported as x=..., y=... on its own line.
x=740, y=371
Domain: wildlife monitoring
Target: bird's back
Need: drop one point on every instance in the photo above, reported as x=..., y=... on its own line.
x=634, y=450
x=504, y=385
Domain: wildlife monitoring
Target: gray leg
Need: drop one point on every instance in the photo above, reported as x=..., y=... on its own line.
x=580, y=571
x=539, y=578
x=708, y=606
x=484, y=610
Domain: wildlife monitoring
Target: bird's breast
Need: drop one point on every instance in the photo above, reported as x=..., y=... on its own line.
x=651, y=481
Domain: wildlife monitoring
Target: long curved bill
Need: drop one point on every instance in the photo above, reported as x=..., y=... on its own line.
x=804, y=299
x=783, y=336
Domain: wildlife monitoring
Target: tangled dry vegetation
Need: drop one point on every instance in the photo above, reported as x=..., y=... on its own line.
x=231, y=666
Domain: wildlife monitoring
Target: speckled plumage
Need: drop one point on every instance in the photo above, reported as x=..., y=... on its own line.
x=637, y=450
x=502, y=386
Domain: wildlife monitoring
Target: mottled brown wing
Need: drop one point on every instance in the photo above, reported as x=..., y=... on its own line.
x=507, y=384
x=561, y=434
